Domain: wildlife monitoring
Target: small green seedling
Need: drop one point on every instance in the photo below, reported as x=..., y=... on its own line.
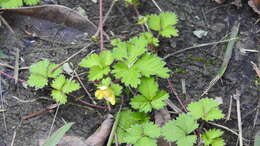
x=127, y=118
x=206, y=109
x=99, y=65
x=164, y=23
x=17, y=3
x=180, y=130
x=41, y=72
x=134, y=62
x=143, y=134
x=151, y=97
x=62, y=86
x=212, y=138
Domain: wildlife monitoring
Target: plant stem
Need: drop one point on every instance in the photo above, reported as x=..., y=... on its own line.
x=101, y=24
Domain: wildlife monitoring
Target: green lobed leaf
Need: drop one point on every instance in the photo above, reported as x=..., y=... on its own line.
x=154, y=22
x=11, y=4
x=39, y=73
x=158, y=102
x=152, y=130
x=169, y=31
x=134, y=133
x=59, y=82
x=187, y=141
x=117, y=89
x=150, y=38
x=70, y=86
x=91, y=61
x=164, y=24
x=168, y=19
x=54, y=139
x=31, y=2
x=148, y=87
x=137, y=132
x=141, y=103
x=150, y=64
x=59, y=96
x=129, y=76
x=120, y=51
x=106, y=58
x=212, y=137
x=63, y=86
x=151, y=98
x=145, y=141
x=206, y=109
x=179, y=129
x=37, y=81
x=126, y=119
x=96, y=73
x=136, y=47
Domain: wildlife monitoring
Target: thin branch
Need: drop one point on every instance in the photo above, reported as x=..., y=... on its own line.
x=237, y=98
x=16, y=67
x=157, y=6
x=11, y=77
x=197, y=46
x=86, y=90
x=176, y=95
x=101, y=24
x=72, y=56
x=2, y=102
x=53, y=120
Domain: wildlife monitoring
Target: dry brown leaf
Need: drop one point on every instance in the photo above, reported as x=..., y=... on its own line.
x=58, y=14
x=97, y=139
x=255, y=5
x=257, y=70
x=220, y=1
x=101, y=135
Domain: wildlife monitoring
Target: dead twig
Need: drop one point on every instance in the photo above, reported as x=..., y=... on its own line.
x=101, y=32
x=6, y=24
x=257, y=70
x=237, y=98
x=157, y=6
x=176, y=95
x=34, y=114
x=11, y=77
x=2, y=103
x=197, y=46
x=12, y=67
x=53, y=121
x=86, y=90
x=229, y=109
x=72, y=56
x=16, y=67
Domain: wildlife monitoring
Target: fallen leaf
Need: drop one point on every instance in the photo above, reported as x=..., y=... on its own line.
x=58, y=14
x=255, y=5
x=220, y=1
x=101, y=135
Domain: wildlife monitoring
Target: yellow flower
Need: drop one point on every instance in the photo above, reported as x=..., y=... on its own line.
x=106, y=93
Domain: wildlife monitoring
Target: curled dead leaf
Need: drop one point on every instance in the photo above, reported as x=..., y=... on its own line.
x=255, y=5
x=58, y=14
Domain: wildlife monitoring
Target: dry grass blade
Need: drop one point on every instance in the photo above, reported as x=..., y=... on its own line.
x=226, y=60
